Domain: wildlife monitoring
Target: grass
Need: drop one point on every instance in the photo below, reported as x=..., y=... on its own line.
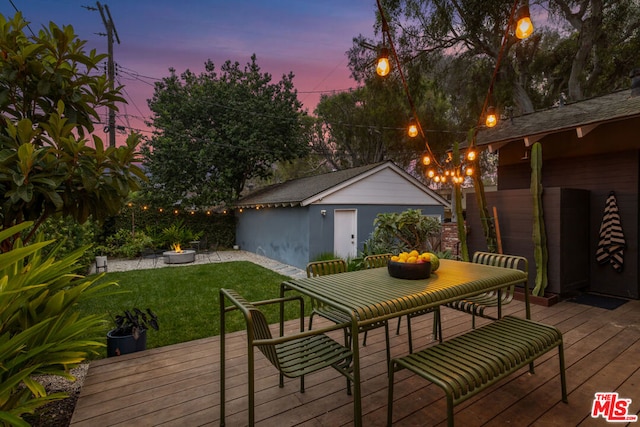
x=186, y=298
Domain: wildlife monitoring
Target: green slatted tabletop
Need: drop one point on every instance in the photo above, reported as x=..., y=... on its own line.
x=372, y=295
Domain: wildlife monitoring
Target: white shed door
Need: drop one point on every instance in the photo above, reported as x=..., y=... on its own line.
x=344, y=233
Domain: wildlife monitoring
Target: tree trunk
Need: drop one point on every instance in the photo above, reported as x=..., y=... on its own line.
x=589, y=29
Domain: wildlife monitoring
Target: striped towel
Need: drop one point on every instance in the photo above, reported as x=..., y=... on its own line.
x=611, y=244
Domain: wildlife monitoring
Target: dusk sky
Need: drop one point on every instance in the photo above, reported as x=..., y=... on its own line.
x=306, y=37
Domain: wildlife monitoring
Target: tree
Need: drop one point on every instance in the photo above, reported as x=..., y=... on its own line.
x=603, y=41
x=428, y=30
x=215, y=131
x=360, y=127
x=49, y=93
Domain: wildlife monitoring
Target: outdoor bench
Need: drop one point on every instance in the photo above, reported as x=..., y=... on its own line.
x=467, y=364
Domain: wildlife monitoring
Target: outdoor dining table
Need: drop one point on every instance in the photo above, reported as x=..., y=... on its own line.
x=372, y=295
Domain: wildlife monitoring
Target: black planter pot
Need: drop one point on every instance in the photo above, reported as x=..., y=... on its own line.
x=117, y=346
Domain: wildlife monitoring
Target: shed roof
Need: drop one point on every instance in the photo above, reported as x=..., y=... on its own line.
x=583, y=116
x=305, y=191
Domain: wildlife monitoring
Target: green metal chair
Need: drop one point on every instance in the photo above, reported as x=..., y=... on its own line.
x=294, y=355
x=477, y=305
x=381, y=260
x=377, y=261
x=335, y=266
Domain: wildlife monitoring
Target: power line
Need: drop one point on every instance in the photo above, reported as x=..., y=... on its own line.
x=17, y=10
x=107, y=20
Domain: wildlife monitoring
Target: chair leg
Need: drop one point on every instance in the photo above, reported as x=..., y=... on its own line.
x=398, y=328
x=364, y=340
x=311, y=320
x=563, y=378
x=386, y=335
x=409, y=336
x=390, y=394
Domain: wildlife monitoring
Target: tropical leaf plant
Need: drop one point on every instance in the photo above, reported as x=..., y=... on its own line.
x=41, y=333
x=397, y=232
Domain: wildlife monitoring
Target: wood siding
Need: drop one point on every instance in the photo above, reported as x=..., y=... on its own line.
x=566, y=222
x=599, y=174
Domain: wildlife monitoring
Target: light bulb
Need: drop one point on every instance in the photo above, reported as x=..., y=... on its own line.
x=492, y=119
x=524, y=26
x=471, y=155
x=412, y=131
x=383, y=66
x=469, y=171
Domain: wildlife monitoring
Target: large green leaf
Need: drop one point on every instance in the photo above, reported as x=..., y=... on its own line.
x=40, y=330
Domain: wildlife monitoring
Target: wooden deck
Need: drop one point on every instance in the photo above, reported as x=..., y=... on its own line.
x=179, y=385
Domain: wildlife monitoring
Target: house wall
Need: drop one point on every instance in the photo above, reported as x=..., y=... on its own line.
x=281, y=234
x=321, y=228
x=607, y=159
x=298, y=235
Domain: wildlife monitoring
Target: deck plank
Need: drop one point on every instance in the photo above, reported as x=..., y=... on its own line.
x=178, y=385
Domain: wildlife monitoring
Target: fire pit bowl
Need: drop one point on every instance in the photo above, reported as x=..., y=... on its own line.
x=182, y=257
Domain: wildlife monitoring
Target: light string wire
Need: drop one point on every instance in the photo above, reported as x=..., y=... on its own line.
x=472, y=143
x=414, y=112
x=505, y=38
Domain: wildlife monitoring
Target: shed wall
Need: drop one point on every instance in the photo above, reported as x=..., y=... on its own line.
x=281, y=234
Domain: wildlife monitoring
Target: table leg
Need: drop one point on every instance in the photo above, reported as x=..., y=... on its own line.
x=357, y=392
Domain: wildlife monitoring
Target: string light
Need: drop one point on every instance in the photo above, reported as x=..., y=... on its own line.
x=412, y=131
x=426, y=159
x=524, y=26
x=471, y=155
x=384, y=67
x=492, y=119
x=523, y=29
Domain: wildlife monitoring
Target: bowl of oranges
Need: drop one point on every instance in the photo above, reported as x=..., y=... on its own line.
x=410, y=265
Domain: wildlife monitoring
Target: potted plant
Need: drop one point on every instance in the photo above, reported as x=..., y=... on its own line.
x=130, y=332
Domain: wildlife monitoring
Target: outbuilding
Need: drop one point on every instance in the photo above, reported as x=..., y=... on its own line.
x=590, y=157
x=296, y=221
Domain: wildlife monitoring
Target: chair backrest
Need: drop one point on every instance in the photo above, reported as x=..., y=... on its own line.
x=378, y=260
x=503, y=260
x=323, y=268
x=257, y=325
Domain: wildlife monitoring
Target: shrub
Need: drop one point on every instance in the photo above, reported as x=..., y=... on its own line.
x=41, y=332
x=70, y=236
x=178, y=233
x=124, y=244
x=397, y=232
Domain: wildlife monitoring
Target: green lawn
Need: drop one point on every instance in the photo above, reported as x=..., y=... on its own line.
x=186, y=298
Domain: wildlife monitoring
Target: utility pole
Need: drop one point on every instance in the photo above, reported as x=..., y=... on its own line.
x=111, y=69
